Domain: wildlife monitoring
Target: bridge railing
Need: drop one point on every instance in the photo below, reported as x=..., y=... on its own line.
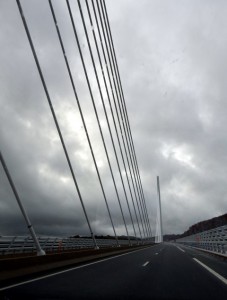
x=214, y=240
x=25, y=244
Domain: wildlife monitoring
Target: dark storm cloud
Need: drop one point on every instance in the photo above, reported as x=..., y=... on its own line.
x=29, y=139
x=176, y=100
x=172, y=62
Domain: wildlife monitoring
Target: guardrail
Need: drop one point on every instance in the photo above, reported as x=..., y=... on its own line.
x=214, y=240
x=25, y=244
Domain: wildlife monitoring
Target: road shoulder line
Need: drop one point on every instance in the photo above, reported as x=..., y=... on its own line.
x=223, y=279
x=69, y=270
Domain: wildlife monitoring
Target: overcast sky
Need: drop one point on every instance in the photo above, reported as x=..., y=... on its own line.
x=172, y=61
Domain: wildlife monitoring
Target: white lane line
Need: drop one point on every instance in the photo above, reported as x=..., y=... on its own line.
x=68, y=270
x=223, y=279
x=156, y=253
x=180, y=249
x=146, y=263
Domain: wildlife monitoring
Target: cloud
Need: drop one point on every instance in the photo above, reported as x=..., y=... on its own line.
x=172, y=63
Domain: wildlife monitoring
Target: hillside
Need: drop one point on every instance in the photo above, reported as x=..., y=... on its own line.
x=199, y=227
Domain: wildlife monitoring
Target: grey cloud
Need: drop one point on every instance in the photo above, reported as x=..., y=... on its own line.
x=171, y=58
x=175, y=95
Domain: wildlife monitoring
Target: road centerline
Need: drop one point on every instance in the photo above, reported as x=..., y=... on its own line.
x=180, y=249
x=146, y=263
x=223, y=279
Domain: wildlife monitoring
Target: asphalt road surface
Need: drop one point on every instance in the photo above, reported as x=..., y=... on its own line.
x=163, y=271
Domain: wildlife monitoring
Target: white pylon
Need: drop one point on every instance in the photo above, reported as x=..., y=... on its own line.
x=159, y=231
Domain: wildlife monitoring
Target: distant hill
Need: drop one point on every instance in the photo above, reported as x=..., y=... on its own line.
x=199, y=227
x=170, y=237
x=105, y=237
x=207, y=225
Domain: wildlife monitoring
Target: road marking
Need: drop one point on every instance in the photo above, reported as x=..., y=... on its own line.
x=68, y=270
x=223, y=279
x=146, y=263
x=180, y=249
x=156, y=253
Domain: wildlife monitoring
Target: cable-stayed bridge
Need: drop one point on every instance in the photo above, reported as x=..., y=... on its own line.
x=103, y=89
x=162, y=271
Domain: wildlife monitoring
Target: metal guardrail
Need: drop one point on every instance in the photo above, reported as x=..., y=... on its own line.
x=25, y=244
x=214, y=240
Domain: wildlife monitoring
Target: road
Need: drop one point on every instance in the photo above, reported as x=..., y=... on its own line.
x=163, y=271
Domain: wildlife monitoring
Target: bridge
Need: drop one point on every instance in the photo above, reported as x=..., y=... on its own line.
x=101, y=163
x=116, y=139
